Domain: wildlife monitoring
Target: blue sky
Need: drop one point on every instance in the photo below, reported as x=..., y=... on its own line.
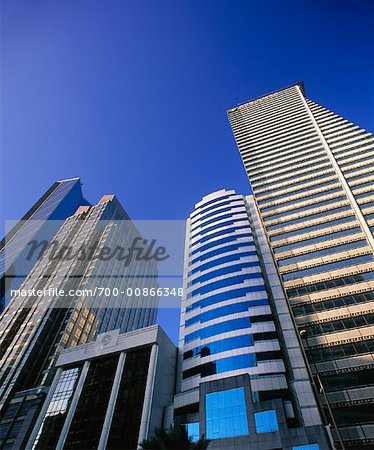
x=132, y=95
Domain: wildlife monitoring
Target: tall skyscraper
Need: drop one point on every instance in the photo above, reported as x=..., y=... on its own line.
x=242, y=379
x=311, y=172
x=73, y=293
x=42, y=220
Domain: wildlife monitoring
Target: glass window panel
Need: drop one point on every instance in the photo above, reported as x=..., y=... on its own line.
x=226, y=414
x=225, y=311
x=266, y=421
x=228, y=295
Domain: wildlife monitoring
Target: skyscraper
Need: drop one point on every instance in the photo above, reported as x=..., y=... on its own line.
x=242, y=378
x=74, y=292
x=311, y=172
x=59, y=202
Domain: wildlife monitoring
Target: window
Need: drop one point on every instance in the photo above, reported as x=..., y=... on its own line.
x=225, y=311
x=192, y=431
x=224, y=283
x=228, y=295
x=219, y=328
x=306, y=447
x=266, y=421
x=226, y=414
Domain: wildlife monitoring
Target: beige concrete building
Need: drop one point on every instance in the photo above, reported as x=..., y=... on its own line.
x=311, y=172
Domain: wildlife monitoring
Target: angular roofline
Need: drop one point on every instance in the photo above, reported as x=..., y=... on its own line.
x=299, y=83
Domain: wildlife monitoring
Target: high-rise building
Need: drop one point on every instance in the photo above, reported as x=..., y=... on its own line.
x=311, y=172
x=42, y=220
x=242, y=378
x=75, y=291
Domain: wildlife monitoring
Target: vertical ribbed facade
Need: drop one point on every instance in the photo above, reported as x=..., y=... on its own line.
x=311, y=172
x=242, y=375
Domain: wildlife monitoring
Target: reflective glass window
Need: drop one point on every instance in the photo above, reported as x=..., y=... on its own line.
x=220, y=233
x=223, y=283
x=266, y=421
x=226, y=414
x=223, y=260
x=216, y=219
x=220, y=346
x=193, y=430
x=224, y=271
x=306, y=447
x=222, y=365
x=219, y=251
x=218, y=225
x=228, y=295
x=219, y=328
x=222, y=241
x=203, y=207
x=225, y=311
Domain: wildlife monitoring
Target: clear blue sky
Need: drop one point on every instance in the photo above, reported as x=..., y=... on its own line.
x=132, y=95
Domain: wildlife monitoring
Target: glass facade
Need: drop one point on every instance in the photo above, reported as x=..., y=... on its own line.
x=225, y=290
x=226, y=414
x=88, y=419
x=43, y=219
x=56, y=413
x=311, y=175
x=37, y=327
x=266, y=421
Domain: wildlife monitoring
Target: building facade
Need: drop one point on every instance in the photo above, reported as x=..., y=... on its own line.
x=109, y=394
x=73, y=293
x=43, y=219
x=311, y=172
x=242, y=378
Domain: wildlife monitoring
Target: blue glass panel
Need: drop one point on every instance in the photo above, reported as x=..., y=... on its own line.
x=225, y=311
x=216, y=219
x=224, y=283
x=211, y=202
x=224, y=271
x=220, y=346
x=222, y=365
x=193, y=431
x=236, y=362
x=218, y=328
x=218, y=225
x=226, y=414
x=217, y=211
x=222, y=241
x=306, y=447
x=220, y=233
x=219, y=251
x=222, y=296
x=223, y=260
x=266, y=421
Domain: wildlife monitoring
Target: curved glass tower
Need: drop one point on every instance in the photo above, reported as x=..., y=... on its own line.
x=242, y=375
x=226, y=301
